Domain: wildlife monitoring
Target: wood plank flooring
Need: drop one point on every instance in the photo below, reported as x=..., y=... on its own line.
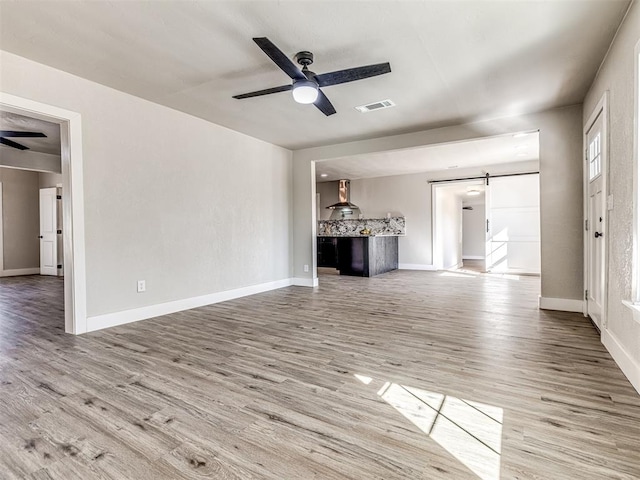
x=408, y=375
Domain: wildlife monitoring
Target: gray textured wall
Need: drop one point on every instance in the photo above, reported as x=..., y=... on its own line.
x=191, y=218
x=21, y=220
x=617, y=76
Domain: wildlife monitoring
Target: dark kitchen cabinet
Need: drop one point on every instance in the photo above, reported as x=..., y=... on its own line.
x=367, y=256
x=328, y=252
x=359, y=256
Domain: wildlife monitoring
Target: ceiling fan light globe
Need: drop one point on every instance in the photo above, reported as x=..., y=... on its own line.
x=305, y=92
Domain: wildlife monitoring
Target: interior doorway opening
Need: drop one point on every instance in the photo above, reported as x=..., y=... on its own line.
x=31, y=225
x=30, y=160
x=503, y=228
x=72, y=202
x=458, y=230
x=473, y=230
x=393, y=183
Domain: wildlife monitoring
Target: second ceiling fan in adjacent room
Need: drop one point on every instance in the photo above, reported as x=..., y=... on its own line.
x=16, y=134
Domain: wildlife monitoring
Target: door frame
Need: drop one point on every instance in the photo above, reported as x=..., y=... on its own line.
x=75, y=285
x=601, y=108
x=436, y=234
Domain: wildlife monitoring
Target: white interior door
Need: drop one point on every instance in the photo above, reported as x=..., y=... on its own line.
x=513, y=214
x=595, y=230
x=48, y=232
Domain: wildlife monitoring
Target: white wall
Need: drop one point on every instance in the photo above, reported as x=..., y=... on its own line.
x=20, y=219
x=11, y=157
x=560, y=136
x=407, y=195
x=448, y=223
x=46, y=179
x=328, y=196
x=395, y=195
x=621, y=334
x=191, y=207
x=473, y=231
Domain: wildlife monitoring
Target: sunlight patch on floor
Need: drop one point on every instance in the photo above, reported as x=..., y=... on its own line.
x=470, y=431
x=459, y=274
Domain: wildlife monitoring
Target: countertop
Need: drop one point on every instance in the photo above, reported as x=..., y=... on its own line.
x=359, y=236
x=387, y=227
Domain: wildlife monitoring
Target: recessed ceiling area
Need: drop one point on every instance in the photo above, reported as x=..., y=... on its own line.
x=451, y=61
x=49, y=144
x=479, y=153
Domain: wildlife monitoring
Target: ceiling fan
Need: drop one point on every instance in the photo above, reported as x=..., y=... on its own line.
x=14, y=134
x=306, y=84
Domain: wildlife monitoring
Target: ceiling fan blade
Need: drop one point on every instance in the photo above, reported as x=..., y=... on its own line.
x=283, y=88
x=279, y=58
x=11, y=133
x=323, y=104
x=352, y=74
x=9, y=143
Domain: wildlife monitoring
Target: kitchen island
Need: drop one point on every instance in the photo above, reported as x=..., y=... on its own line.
x=340, y=245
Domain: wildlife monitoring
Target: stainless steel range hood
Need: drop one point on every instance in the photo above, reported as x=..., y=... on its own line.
x=344, y=196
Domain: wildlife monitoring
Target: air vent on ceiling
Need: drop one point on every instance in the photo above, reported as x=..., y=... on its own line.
x=376, y=106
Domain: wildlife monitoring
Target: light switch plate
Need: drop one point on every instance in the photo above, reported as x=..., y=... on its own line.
x=609, y=202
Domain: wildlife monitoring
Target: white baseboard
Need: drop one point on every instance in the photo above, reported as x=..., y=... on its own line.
x=473, y=257
x=629, y=366
x=99, y=322
x=20, y=271
x=304, y=282
x=561, y=304
x=416, y=266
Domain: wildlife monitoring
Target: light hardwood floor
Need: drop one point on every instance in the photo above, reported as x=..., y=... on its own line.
x=408, y=375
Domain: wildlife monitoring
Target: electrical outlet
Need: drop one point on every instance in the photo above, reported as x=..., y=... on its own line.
x=306, y=268
x=142, y=286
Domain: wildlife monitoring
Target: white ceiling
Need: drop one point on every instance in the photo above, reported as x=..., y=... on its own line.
x=13, y=121
x=461, y=190
x=452, y=61
x=454, y=156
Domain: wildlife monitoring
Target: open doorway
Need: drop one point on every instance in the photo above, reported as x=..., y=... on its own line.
x=498, y=216
x=458, y=230
x=473, y=229
x=399, y=183
x=62, y=182
x=31, y=196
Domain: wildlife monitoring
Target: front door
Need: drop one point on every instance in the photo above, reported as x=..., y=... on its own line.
x=48, y=232
x=595, y=229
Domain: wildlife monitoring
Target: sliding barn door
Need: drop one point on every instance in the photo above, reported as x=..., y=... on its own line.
x=513, y=224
